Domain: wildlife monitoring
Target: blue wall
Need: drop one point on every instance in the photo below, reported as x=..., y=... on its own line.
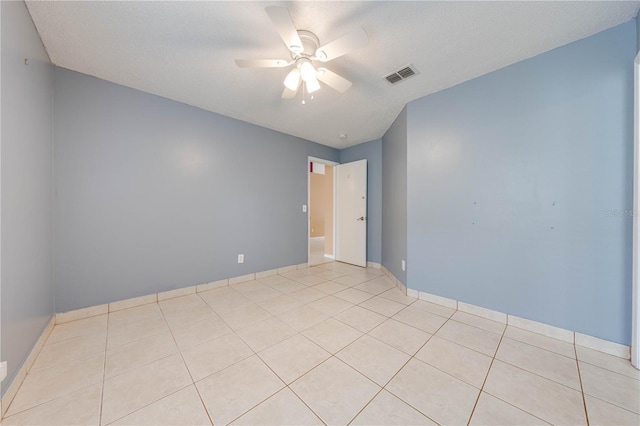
x=26, y=280
x=516, y=183
x=372, y=152
x=394, y=197
x=153, y=195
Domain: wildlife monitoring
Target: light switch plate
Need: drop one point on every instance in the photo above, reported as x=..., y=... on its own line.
x=241, y=258
x=404, y=265
x=304, y=208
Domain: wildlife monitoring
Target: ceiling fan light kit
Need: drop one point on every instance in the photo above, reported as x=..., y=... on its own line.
x=305, y=48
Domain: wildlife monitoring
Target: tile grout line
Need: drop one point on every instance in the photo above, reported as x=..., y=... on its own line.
x=193, y=382
x=487, y=375
x=104, y=368
x=584, y=399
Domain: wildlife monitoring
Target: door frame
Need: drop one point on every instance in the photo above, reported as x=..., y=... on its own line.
x=635, y=325
x=328, y=163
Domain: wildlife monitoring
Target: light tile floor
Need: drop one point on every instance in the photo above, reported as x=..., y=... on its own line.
x=332, y=344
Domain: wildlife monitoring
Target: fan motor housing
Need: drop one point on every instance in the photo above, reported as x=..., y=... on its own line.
x=310, y=43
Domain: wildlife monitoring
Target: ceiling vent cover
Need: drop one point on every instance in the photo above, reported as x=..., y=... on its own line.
x=401, y=74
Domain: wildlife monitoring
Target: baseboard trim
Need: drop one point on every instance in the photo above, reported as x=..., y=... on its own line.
x=15, y=384
x=573, y=337
x=92, y=311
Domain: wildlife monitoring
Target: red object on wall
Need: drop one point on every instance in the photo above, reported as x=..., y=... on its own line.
x=310, y=166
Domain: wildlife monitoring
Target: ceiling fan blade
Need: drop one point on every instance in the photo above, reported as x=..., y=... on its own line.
x=289, y=94
x=333, y=80
x=340, y=46
x=284, y=25
x=262, y=63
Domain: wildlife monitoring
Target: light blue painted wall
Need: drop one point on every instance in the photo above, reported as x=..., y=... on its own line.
x=512, y=178
x=372, y=152
x=26, y=260
x=638, y=32
x=394, y=197
x=153, y=195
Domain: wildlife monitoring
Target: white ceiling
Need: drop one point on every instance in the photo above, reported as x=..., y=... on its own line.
x=185, y=51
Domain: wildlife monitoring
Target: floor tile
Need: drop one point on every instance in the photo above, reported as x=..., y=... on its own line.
x=181, y=303
x=307, y=295
x=138, y=388
x=138, y=353
x=293, y=357
x=361, y=319
x=274, y=279
x=423, y=320
x=544, y=342
x=50, y=383
x=475, y=338
x=83, y=327
x=608, y=362
x=329, y=287
x=353, y=295
x=387, y=409
x=261, y=295
x=459, y=361
x=309, y=280
x=244, y=316
x=287, y=286
x=351, y=281
x=382, y=306
x=376, y=360
x=303, y=317
x=280, y=304
x=400, y=336
x=53, y=354
x=611, y=387
x=492, y=411
x=335, y=391
x=137, y=330
x=333, y=274
x=248, y=286
x=193, y=313
x=215, y=355
x=225, y=303
x=265, y=333
x=283, y=408
x=376, y=286
x=183, y=407
x=332, y=335
x=233, y=391
x=536, y=395
x=433, y=308
x=539, y=361
x=603, y=413
x=439, y=396
x=194, y=333
x=479, y=322
x=330, y=305
x=77, y=408
x=125, y=317
x=398, y=296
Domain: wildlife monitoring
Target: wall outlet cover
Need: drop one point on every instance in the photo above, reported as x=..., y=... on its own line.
x=3, y=370
x=241, y=258
x=404, y=265
x=304, y=208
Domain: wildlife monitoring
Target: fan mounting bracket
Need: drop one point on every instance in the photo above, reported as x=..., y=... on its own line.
x=310, y=43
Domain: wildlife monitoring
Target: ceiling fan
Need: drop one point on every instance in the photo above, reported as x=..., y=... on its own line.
x=305, y=48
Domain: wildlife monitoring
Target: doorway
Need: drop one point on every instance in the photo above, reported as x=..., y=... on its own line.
x=635, y=326
x=321, y=215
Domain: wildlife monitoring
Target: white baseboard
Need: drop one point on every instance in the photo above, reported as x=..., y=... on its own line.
x=14, y=386
x=573, y=337
x=373, y=265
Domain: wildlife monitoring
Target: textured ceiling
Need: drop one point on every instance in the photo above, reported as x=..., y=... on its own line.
x=185, y=51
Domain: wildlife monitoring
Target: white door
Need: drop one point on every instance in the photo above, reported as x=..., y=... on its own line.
x=351, y=213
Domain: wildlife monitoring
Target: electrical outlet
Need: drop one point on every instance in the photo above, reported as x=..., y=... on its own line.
x=241, y=258
x=3, y=370
x=404, y=265
x=304, y=208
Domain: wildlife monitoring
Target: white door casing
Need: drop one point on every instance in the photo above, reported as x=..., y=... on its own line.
x=351, y=213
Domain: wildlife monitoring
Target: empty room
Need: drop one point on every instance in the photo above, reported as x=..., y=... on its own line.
x=319, y=213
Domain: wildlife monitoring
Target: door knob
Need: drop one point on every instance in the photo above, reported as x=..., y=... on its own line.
x=361, y=218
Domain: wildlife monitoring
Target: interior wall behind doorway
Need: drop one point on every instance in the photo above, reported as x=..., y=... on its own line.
x=321, y=206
